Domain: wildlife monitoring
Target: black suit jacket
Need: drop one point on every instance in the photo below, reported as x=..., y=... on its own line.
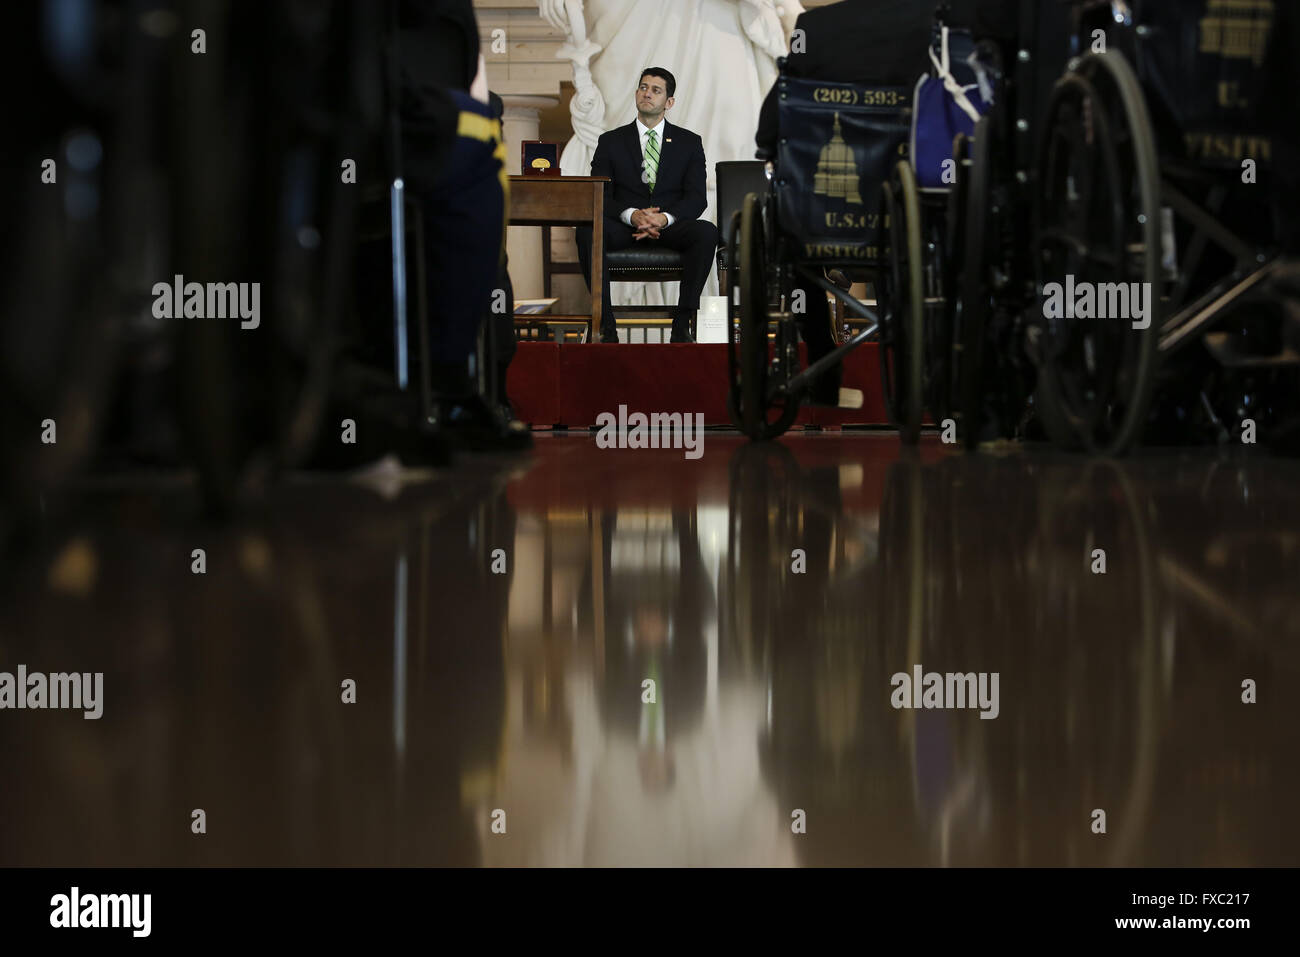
x=679, y=183
x=855, y=41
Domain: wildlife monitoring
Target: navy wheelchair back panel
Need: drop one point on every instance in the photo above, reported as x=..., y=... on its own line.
x=838, y=144
x=1201, y=64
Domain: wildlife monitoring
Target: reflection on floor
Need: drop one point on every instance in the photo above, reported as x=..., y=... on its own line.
x=502, y=621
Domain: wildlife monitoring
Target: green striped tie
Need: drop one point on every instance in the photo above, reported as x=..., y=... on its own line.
x=651, y=159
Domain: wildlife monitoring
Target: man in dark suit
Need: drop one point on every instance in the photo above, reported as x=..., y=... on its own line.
x=854, y=41
x=656, y=196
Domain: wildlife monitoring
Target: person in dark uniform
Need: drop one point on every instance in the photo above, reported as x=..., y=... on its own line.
x=454, y=165
x=854, y=41
x=656, y=197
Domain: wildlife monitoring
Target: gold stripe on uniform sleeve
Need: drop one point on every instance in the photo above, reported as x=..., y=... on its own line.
x=476, y=127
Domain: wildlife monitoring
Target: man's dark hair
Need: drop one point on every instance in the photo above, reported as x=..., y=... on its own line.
x=669, y=80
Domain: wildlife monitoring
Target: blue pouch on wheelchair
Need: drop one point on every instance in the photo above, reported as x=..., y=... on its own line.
x=838, y=142
x=948, y=101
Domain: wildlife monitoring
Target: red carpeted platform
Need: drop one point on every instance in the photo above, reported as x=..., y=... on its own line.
x=551, y=384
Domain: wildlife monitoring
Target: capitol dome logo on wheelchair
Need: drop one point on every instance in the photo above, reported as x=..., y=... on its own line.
x=823, y=210
x=826, y=210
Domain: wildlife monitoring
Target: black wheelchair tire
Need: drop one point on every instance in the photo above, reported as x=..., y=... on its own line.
x=752, y=415
x=753, y=314
x=1057, y=417
x=972, y=309
x=907, y=315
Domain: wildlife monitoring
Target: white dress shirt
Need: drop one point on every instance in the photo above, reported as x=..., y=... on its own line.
x=642, y=129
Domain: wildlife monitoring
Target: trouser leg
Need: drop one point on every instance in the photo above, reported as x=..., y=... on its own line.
x=464, y=215
x=817, y=333
x=697, y=241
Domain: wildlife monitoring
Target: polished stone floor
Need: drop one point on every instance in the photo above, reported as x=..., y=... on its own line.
x=500, y=621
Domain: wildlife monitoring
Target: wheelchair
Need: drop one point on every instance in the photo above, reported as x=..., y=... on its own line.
x=976, y=280
x=921, y=295
x=1119, y=176
x=821, y=212
x=1153, y=173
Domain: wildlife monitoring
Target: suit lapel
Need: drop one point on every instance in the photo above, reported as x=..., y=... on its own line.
x=633, y=143
x=665, y=146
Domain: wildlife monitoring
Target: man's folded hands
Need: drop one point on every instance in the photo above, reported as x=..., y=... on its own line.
x=648, y=222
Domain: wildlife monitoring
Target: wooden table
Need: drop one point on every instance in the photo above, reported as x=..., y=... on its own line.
x=566, y=201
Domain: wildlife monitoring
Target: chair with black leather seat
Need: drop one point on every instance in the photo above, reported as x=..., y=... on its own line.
x=644, y=265
x=735, y=180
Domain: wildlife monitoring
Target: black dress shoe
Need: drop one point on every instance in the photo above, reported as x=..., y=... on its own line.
x=423, y=447
x=682, y=323
x=474, y=425
x=385, y=425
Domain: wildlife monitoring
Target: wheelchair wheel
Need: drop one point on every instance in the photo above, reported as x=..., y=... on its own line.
x=961, y=147
x=936, y=327
x=971, y=302
x=902, y=333
x=1098, y=221
x=748, y=403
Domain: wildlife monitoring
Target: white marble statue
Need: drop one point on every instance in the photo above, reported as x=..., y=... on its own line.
x=722, y=52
